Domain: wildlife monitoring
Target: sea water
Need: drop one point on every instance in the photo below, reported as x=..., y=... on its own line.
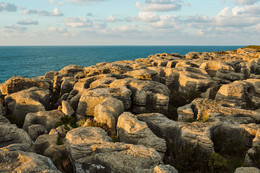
x=33, y=61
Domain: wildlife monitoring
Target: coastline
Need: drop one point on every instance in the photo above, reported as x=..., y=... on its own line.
x=153, y=114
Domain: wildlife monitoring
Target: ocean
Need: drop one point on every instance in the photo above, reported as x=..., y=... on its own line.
x=33, y=61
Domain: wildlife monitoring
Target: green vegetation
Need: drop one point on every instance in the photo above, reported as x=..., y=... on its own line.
x=221, y=52
x=93, y=123
x=228, y=145
x=59, y=141
x=68, y=120
x=192, y=158
x=217, y=163
x=253, y=47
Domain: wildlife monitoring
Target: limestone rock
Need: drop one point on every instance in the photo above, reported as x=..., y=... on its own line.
x=48, y=119
x=165, y=169
x=36, y=130
x=67, y=109
x=19, y=83
x=147, y=95
x=108, y=112
x=10, y=134
x=90, y=145
x=133, y=131
x=18, y=161
x=247, y=170
x=92, y=98
x=26, y=101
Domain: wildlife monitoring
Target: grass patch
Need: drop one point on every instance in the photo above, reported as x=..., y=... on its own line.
x=68, y=120
x=253, y=47
x=93, y=123
x=221, y=52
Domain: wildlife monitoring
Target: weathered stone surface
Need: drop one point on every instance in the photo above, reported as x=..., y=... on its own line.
x=133, y=131
x=35, y=130
x=108, y=112
x=212, y=110
x=88, y=146
x=92, y=98
x=165, y=169
x=19, y=83
x=10, y=134
x=247, y=170
x=18, y=161
x=147, y=95
x=26, y=101
x=48, y=119
x=241, y=93
x=67, y=109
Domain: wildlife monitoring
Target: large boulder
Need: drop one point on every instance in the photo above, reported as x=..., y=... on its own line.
x=10, y=134
x=48, y=119
x=133, y=131
x=91, y=148
x=26, y=101
x=18, y=83
x=18, y=161
x=244, y=94
x=92, y=98
x=148, y=96
x=108, y=112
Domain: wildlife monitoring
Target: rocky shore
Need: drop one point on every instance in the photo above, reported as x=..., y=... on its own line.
x=163, y=114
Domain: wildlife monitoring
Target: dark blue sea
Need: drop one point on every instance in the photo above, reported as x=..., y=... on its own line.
x=32, y=61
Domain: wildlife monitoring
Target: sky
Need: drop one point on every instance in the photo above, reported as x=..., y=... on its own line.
x=129, y=22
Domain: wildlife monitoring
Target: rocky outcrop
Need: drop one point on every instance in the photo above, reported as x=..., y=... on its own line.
x=133, y=131
x=222, y=124
x=18, y=161
x=26, y=101
x=18, y=83
x=108, y=112
x=12, y=138
x=91, y=148
x=147, y=96
x=47, y=119
x=92, y=98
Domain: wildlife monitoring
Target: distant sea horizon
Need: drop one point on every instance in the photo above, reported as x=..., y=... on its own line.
x=33, y=61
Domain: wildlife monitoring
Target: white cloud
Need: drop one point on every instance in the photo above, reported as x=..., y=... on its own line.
x=14, y=29
x=159, y=5
x=7, y=7
x=84, y=2
x=55, y=30
x=79, y=22
x=28, y=22
x=166, y=21
x=238, y=16
x=55, y=12
x=112, y=18
x=148, y=17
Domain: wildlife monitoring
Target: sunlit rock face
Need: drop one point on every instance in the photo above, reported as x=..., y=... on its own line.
x=196, y=113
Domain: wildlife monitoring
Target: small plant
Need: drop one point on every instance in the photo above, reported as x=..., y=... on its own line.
x=217, y=163
x=253, y=47
x=59, y=141
x=68, y=120
x=93, y=123
x=81, y=122
x=221, y=52
x=115, y=139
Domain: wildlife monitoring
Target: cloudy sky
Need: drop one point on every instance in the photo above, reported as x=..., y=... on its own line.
x=129, y=22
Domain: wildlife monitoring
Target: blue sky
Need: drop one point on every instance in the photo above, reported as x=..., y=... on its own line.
x=129, y=22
